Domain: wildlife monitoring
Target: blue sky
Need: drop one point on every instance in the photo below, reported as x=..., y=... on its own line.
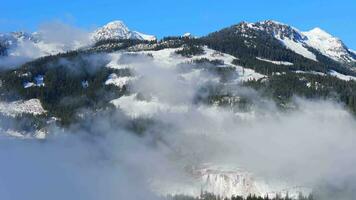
x=165, y=17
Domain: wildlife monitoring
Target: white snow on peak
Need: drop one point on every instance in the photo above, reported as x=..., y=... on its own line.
x=319, y=32
x=299, y=42
x=118, y=30
x=187, y=35
x=328, y=45
x=117, y=24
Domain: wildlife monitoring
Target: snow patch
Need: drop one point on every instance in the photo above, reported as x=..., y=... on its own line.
x=342, y=76
x=32, y=106
x=137, y=108
x=113, y=79
x=275, y=62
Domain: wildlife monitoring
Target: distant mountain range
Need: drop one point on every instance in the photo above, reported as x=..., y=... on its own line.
x=290, y=37
x=18, y=43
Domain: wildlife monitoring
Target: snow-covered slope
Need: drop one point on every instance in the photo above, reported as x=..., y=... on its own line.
x=328, y=45
x=289, y=36
x=118, y=30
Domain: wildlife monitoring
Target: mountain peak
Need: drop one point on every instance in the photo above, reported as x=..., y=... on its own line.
x=116, y=24
x=280, y=30
x=328, y=45
x=118, y=30
x=272, y=22
x=320, y=32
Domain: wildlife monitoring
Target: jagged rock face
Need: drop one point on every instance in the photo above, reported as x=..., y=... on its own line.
x=281, y=31
x=118, y=30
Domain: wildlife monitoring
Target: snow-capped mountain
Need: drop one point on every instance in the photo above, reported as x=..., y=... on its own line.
x=301, y=42
x=118, y=30
x=27, y=46
x=329, y=45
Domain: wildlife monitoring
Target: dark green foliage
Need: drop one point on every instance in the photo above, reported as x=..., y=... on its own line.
x=205, y=61
x=111, y=45
x=140, y=125
x=219, y=95
x=247, y=44
x=212, y=67
x=64, y=93
x=190, y=50
x=283, y=87
x=3, y=50
x=270, y=68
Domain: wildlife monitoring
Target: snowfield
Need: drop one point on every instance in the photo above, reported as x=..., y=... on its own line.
x=169, y=57
x=298, y=48
x=32, y=106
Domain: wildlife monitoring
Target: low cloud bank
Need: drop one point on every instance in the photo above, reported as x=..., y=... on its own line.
x=310, y=145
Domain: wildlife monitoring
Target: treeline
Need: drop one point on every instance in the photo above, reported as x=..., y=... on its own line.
x=209, y=196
